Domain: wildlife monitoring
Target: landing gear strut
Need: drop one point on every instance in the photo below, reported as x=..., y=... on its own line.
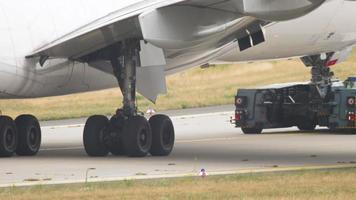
x=321, y=78
x=320, y=72
x=128, y=132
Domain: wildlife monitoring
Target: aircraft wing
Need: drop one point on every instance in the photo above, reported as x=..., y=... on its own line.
x=100, y=33
x=136, y=21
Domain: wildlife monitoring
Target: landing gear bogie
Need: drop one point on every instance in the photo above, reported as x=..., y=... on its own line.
x=128, y=132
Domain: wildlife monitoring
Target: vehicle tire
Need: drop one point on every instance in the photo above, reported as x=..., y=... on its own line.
x=137, y=137
x=8, y=137
x=306, y=126
x=29, y=135
x=93, y=136
x=251, y=131
x=162, y=135
x=114, y=144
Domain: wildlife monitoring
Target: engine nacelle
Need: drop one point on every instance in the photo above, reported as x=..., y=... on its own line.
x=181, y=27
x=276, y=10
x=191, y=27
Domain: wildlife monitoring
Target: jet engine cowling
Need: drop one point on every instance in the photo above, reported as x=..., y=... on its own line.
x=276, y=10
x=191, y=27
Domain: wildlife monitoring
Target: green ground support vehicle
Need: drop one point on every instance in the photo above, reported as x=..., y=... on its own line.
x=296, y=104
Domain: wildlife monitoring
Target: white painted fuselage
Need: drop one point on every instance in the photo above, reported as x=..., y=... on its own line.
x=27, y=25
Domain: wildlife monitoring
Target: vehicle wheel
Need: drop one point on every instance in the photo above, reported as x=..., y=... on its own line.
x=93, y=136
x=137, y=137
x=251, y=131
x=114, y=141
x=8, y=137
x=29, y=135
x=307, y=126
x=162, y=135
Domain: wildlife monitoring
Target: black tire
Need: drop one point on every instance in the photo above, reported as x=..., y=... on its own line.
x=8, y=137
x=93, y=136
x=251, y=131
x=29, y=135
x=307, y=126
x=114, y=143
x=117, y=150
x=163, y=135
x=137, y=137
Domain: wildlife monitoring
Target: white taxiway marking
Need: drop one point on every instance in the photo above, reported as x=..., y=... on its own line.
x=62, y=149
x=173, y=118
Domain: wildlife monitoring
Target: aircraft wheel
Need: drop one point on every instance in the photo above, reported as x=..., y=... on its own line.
x=137, y=136
x=162, y=135
x=114, y=143
x=8, y=137
x=29, y=135
x=250, y=131
x=93, y=136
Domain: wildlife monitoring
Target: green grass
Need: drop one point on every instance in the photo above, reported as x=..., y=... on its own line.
x=192, y=88
x=315, y=184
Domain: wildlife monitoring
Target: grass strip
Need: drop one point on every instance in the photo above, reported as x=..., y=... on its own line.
x=304, y=184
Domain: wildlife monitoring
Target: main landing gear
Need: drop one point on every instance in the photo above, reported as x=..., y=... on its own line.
x=128, y=132
x=21, y=136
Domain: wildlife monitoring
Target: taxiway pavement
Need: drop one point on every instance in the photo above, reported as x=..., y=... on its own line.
x=204, y=139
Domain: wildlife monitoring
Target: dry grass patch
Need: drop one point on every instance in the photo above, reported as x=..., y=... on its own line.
x=322, y=184
x=193, y=88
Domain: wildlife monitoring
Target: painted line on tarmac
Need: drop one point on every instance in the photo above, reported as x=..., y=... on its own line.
x=222, y=139
x=209, y=140
x=173, y=118
x=165, y=176
x=178, y=142
x=62, y=149
x=63, y=126
x=239, y=138
x=203, y=115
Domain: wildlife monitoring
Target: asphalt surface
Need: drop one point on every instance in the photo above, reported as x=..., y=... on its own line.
x=204, y=139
